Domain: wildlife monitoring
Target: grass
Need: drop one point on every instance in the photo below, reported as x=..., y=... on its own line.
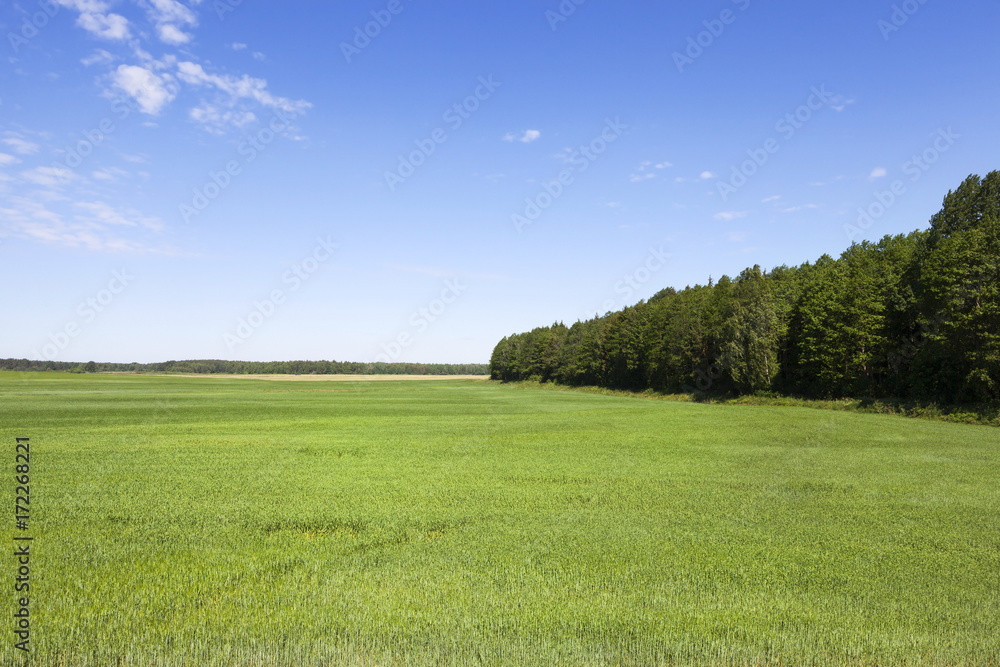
x=189, y=521
x=984, y=414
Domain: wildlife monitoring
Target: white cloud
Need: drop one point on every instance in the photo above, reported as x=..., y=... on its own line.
x=878, y=172
x=209, y=114
x=643, y=175
x=526, y=138
x=171, y=11
x=770, y=199
x=105, y=214
x=171, y=34
x=245, y=87
x=112, y=27
x=20, y=145
x=839, y=103
x=706, y=175
x=6, y=159
x=109, y=174
x=565, y=155
x=23, y=212
x=99, y=57
x=91, y=227
x=155, y=82
x=168, y=15
x=729, y=216
x=151, y=91
x=637, y=178
x=55, y=205
x=48, y=176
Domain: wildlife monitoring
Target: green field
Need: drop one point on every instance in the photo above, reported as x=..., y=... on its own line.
x=202, y=521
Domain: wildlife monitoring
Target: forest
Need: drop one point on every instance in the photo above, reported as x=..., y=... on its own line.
x=913, y=316
x=216, y=366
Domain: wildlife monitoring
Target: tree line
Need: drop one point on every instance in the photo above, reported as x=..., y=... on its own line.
x=215, y=366
x=913, y=316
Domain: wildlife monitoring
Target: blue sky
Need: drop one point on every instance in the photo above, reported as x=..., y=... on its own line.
x=263, y=180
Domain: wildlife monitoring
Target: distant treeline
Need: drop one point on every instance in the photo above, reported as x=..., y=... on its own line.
x=215, y=366
x=914, y=316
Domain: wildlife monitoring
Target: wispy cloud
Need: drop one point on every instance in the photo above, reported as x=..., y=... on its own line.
x=638, y=178
x=170, y=18
x=526, y=138
x=109, y=174
x=238, y=88
x=877, y=173
x=217, y=118
x=729, y=216
x=48, y=176
x=90, y=225
x=96, y=19
x=105, y=214
x=565, y=155
x=643, y=171
x=422, y=270
x=58, y=205
x=839, y=103
x=19, y=144
x=99, y=57
x=155, y=83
